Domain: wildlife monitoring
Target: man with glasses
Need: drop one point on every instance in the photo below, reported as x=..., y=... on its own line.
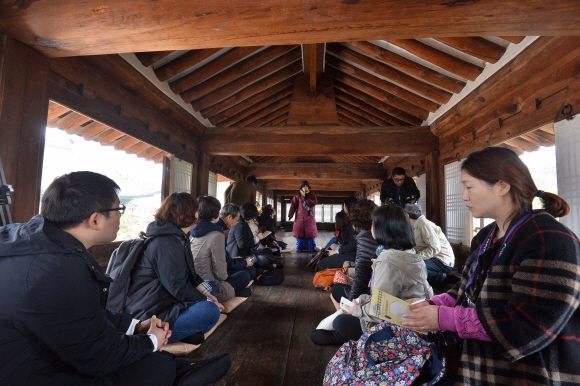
x=399, y=189
x=54, y=327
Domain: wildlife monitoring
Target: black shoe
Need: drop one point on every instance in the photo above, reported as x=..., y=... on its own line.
x=279, y=265
x=325, y=338
x=244, y=293
x=196, y=338
x=206, y=372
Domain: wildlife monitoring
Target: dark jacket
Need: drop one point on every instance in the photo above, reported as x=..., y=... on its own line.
x=528, y=306
x=349, y=247
x=393, y=194
x=366, y=249
x=240, y=240
x=52, y=301
x=168, y=261
x=304, y=224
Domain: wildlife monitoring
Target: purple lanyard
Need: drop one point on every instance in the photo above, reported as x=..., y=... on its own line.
x=487, y=242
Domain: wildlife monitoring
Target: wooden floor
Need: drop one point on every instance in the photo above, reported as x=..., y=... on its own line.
x=268, y=336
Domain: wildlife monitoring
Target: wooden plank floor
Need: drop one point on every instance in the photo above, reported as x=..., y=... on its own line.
x=268, y=336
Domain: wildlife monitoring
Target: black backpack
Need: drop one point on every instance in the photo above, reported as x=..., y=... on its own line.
x=120, y=265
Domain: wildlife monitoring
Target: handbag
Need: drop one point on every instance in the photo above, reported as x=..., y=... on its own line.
x=314, y=261
x=449, y=346
x=263, y=258
x=340, y=277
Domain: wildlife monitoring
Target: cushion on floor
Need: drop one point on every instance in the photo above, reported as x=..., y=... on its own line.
x=232, y=303
x=180, y=348
x=220, y=321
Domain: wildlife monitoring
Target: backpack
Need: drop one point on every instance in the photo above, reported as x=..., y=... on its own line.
x=325, y=278
x=386, y=354
x=120, y=265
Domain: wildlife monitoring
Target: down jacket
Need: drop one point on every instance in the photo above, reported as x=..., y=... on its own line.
x=240, y=240
x=209, y=257
x=167, y=259
x=304, y=225
x=366, y=249
x=53, y=320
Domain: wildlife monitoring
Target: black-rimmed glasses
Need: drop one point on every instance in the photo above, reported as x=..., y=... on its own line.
x=121, y=209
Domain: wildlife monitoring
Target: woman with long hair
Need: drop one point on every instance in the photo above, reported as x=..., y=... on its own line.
x=516, y=306
x=164, y=282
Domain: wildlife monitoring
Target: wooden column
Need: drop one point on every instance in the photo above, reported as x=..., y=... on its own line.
x=166, y=178
x=23, y=111
x=265, y=196
x=434, y=182
x=202, y=168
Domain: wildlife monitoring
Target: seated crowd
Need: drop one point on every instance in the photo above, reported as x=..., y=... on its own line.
x=514, y=310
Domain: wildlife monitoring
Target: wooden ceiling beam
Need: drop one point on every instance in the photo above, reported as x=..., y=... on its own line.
x=282, y=123
x=346, y=121
x=320, y=185
x=183, y=62
x=55, y=111
x=319, y=193
x=208, y=70
x=234, y=72
x=246, y=80
x=361, y=121
x=397, y=96
x=137, y=148
x=264, y=111
x=540, y=137
x=279, y=120
x=285, y=74
x=523, y=144
x=124, y=142
x=413, y=166
x=313, y=58
x=441, y=59
x=149, y=58
x=364, y=114
x=251, y=101
x=512, y=39
x=338, y=94
x=343, y=89
x=149, y=152
x=420, y=87
x=71, y=121
x=255, y=107
x=105, y=138
x=272, y=115
x=516, y=150
x=315, y=171
x=97, y=27
x=320, y=140
x=408, y=66
x=476, y=46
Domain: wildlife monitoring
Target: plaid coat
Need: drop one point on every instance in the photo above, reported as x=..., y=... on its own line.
x=527, y=304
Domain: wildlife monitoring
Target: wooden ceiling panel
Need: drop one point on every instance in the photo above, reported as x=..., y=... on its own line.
x=272, y=115
x=264, y=111
x=183, y=63
x=55, y=111
x=365, y=114
x=339, y=94
x=149, y=58
x=476, y=46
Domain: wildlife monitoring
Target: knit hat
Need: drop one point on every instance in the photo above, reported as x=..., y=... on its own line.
x=413, y=210
x=304, y=183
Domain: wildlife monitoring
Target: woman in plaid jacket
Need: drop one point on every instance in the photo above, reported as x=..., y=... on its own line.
x=516, y=306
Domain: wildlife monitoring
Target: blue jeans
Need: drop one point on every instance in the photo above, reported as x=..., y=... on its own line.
x=436, y=270
x=331, y=241
x=199, y=317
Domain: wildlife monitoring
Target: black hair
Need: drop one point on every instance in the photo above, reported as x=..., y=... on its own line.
x=349, y=204
x=209, y=208
x=230, y=210
x=72, y=198
x=398, y=172
x=393, y=229
x=340, y=221
x=248, y=211
x=252, y=179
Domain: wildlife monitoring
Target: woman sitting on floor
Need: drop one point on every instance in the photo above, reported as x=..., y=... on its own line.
x=229, y=216
x=346, y=252
x=398, y=270
x=165, y=278
x=209, y=254
x=366, y=247
x=340, y=229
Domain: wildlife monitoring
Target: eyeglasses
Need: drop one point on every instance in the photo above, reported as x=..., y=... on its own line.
x=121, y=209
x=399, y=179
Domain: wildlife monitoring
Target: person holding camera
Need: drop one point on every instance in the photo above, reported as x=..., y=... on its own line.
x=400, y=189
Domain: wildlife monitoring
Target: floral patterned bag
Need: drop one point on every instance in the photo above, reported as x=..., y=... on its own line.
x=386, y=354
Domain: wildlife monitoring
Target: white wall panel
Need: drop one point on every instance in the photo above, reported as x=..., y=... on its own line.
x=456, y=213
x=568, y=169
x=422, y=186
x=212, y=185
x=181, y=175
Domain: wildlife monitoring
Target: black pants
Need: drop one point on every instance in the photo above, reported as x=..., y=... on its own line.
x=239, y=280
x=339, y=291
x=334, y=261
x=346, y=327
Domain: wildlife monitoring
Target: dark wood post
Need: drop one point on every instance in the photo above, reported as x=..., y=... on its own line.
x=202, y=174
x=23, y=111
x=434, y=182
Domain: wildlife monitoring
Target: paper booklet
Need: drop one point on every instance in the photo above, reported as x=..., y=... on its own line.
x=266, y=233
x=388, y=307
